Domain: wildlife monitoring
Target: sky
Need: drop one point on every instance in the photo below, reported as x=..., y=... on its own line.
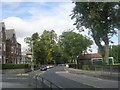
x=28, y=17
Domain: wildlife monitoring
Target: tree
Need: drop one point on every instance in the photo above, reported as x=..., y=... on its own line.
x=49, y=39
x=73, y=44
x=46, y=48
x=35, y=36
x=31, y=41
x=101, y=19
x=115, y=53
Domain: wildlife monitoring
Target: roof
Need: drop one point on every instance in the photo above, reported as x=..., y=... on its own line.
x=9, y=33
x=26, y=53
x=89, y=56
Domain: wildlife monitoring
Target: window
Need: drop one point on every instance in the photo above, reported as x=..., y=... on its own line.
x=4, y=59
x=4, y=48
x=0, y=47
x=1, y=35
x=12, y=49
x=0, y=60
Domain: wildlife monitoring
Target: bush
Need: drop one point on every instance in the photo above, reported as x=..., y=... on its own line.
x=85, y=67
x=15, y=66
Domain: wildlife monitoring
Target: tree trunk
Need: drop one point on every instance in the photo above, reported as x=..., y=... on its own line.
x=106, y=58
x=77, y=63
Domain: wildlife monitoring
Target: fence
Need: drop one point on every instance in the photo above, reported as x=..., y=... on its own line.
x=105, y=68
x=41, y=82
x=112, y=71
x=105, y=71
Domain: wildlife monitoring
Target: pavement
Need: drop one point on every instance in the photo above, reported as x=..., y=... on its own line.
x=99, y=74
x=18, y=85
x=31, y=75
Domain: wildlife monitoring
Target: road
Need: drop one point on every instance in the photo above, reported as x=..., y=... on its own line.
x=64, y=79
x=59, y=76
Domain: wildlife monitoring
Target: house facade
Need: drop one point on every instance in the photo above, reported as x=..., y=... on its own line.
x=2, y=43
x=13, y=48
x=26, y=57
x=10, y=49
x=93, y=59
x=18, y=53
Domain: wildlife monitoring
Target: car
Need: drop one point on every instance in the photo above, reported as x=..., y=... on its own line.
x=48, y=67
x=51, y=66
x=43, y=68
x=66, y=65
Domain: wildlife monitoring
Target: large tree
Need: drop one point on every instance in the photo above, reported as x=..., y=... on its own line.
x=73, y=44
x=101, y=19
x=31, y=43
x=46, y=49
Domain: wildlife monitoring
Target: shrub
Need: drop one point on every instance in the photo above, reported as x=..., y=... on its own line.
x=15, y=66
x=85, y=67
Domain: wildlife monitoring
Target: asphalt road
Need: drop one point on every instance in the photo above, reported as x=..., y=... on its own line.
x=60, y=77
x=64, y=79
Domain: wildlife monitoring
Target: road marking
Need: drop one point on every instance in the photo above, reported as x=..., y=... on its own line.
x=16, y=78
x=99, y=79
x=90, y=85
x=60, y=87
x=21, y=74
x=62, y=72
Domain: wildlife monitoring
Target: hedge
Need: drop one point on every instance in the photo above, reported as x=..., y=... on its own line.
x=16, y=66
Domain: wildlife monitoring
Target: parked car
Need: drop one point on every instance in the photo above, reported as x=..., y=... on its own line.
x=43, y=68
x=66, y=65
x=49, y=66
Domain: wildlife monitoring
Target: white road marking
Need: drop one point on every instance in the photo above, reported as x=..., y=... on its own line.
x=22, y=74
x=16, y=78
x=62, y=72
x=99, y=78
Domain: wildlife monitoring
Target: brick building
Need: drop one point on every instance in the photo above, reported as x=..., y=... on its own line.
x=2, y=43
x=18, y=49
x=10, y=49
x=13, y=48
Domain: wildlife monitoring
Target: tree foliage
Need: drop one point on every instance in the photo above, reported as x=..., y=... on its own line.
x=49, y=49
x=115, y=53
x=28, y=40
x=73, y=44
x=35, y=36
x=101, y=19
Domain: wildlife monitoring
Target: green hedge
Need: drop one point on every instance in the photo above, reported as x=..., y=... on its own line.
x=85, y=67
x=15, y=66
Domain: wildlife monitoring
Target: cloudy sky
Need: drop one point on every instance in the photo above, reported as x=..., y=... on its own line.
x=28, y=17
